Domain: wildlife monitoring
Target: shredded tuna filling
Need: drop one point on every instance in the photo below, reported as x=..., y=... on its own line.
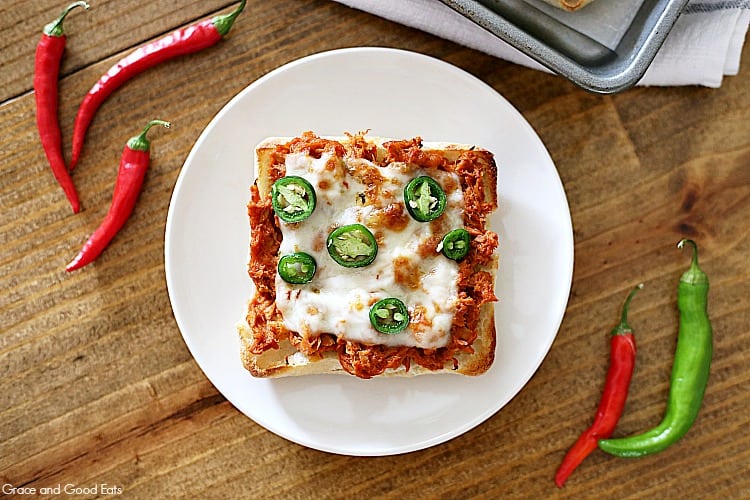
x=475, y=286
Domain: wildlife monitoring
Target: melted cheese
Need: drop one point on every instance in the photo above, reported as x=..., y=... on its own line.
x=408, y=265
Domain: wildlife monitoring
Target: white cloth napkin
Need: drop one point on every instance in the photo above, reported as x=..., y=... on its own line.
x=704, y=45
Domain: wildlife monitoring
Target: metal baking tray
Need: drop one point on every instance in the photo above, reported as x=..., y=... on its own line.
x=604, y=47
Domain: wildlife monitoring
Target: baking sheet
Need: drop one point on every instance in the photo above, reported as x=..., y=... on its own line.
x=604, y=47
x=606, y=21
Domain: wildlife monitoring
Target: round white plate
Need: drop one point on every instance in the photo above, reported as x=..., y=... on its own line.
x=396, y=94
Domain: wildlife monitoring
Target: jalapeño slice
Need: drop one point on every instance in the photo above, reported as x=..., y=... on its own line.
x=297, y=268
x=293, y=198
x=389, y=315
x=352, y=245
x=424, y=198
x=455, y=244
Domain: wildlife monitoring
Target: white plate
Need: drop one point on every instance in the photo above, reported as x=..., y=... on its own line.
x=394, y=94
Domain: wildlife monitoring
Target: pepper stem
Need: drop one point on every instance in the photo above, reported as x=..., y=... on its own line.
x=55, y=28
x=224, y=22
x=694, y=275
x=140, y=142
x=622, y=328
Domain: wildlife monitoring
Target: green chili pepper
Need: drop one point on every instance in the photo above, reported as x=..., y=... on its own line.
x=389, y=316
x=455, y=244
x=293, y=198
x=425, y=199
x=297, y=268
x=690, y=370
x=352, y=246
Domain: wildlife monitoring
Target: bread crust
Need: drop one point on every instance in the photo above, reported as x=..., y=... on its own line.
x=288, y=361
x=569, y=5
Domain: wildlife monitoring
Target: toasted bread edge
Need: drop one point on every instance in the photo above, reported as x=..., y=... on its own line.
x=287, y=361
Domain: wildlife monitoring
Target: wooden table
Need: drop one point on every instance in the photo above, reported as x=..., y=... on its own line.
x=98, y=386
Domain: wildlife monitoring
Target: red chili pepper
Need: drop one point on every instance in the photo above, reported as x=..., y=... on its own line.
x=622, y=362
x=133, y=165
x=180, y=42
x=49, y=53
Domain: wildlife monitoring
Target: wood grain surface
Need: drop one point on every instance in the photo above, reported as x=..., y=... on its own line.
x=97, y=386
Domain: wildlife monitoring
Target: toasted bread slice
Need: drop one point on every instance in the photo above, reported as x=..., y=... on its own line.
x=286, y=359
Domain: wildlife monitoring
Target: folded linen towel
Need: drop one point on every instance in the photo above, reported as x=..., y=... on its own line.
x=704, y=45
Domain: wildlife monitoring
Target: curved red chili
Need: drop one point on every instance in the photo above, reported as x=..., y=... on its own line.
x=622, y=362
x=49, y=53
x=180, y=42
x=133, y=165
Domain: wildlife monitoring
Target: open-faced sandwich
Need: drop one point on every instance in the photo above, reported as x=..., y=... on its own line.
x=370, y=256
